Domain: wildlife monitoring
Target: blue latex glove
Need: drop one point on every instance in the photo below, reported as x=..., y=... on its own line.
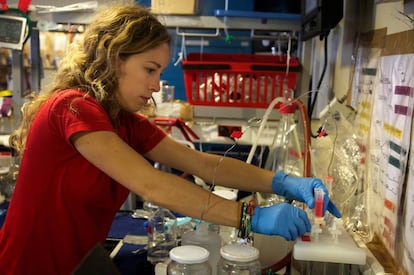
x=281, y=219
x=301, y=189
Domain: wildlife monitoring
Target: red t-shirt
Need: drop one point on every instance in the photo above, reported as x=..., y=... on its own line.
x=62, y=205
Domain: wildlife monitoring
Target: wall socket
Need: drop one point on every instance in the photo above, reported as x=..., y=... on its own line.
x=227, y=130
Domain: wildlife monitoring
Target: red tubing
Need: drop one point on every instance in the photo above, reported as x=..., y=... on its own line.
x=306, y=137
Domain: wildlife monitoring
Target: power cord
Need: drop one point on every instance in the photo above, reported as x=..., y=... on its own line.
x=312, y=101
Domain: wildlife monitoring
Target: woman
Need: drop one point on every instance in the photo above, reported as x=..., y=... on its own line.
x=84, y=148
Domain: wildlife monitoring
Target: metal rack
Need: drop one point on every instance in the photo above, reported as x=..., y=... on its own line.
x=239, y=23
x=222, y=19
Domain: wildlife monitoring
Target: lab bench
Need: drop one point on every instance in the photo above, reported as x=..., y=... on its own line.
x=125, y=242
x=127, y=239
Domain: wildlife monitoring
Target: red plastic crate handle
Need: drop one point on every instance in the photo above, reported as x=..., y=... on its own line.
x=206, y=66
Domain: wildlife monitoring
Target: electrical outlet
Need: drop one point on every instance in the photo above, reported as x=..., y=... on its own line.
x=227, y=130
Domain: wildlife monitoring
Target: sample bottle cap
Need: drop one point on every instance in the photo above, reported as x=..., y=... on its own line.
x=287, y=108
x=189, y=254
x=239, y=253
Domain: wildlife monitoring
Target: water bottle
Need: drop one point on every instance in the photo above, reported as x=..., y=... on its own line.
x=162, y=235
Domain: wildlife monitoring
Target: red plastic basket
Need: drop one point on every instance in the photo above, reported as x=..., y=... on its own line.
x=237, y=80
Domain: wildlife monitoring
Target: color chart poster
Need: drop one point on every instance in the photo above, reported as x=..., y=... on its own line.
x=390, y=142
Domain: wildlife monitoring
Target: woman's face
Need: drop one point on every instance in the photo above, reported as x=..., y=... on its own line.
x=140, y=77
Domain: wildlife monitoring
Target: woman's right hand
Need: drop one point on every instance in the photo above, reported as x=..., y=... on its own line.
x=282, y=219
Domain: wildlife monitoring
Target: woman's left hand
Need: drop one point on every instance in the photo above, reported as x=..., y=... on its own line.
x=302, y=189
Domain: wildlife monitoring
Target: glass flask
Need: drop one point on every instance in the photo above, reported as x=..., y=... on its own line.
x=240, y=259
x=189, y=260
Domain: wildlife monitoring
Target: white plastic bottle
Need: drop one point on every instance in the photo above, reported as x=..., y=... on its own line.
x=207, y=239
x=228, y=234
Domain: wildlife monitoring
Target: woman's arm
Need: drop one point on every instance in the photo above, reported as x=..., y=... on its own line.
x=226, y=171
x=114, y=157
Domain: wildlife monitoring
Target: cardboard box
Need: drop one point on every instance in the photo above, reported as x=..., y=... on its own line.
x=184, y=7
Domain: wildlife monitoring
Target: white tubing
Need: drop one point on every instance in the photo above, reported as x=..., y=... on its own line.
x=262, y=125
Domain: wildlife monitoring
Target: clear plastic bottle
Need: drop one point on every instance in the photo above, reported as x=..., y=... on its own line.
x=203, y=237
x=240, y=259
x=189, y=260
x=162, y=235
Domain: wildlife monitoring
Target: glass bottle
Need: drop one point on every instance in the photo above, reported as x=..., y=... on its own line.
x=240, y=259
x=162, y=235
x=189, y=260
x=285, y=153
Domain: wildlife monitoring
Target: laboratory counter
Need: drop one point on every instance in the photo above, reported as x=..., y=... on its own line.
x=126, y=241
x=124, y=250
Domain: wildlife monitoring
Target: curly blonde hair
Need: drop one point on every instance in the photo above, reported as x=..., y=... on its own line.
x=90, y=65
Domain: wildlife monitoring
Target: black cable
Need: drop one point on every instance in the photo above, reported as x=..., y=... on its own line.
x=311, y=106
x=313, y=101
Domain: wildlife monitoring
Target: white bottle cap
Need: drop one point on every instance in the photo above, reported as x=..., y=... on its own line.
x=189, y=254
x=239, y=252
